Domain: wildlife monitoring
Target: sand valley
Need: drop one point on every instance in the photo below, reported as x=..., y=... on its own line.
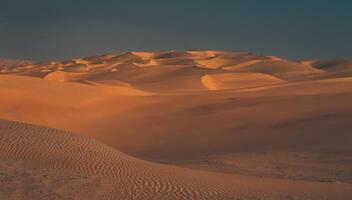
x=176, y=125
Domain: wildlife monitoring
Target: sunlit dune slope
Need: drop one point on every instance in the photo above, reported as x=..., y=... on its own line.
x=253, y=100
x=238, y=113
x=240, y=120
x=165, y=71
x=86, y=164
x=238, y=80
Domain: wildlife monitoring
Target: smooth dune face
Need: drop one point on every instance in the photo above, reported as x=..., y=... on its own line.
x=249, y=127
x=152, y=71
x=238, y=80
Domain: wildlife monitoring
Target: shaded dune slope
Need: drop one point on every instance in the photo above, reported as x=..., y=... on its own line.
x=273, y=128
x=183, y=69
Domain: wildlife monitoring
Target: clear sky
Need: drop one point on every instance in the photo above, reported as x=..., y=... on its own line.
x=62, y=29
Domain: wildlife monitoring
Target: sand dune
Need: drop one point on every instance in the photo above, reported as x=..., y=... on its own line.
x=12, y=63
x=332, y=65
x=126, y=67
x=238, y=80
x=120, y=176
x=150, y=63
x=270, y=128
x=280, y=68
x=68, y=76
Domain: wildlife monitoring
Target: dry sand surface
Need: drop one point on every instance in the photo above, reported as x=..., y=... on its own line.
x=176, y=125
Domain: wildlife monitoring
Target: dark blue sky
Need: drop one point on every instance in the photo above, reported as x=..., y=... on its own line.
x=61, y=29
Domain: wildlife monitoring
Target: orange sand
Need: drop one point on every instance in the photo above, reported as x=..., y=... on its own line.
x=248, y=126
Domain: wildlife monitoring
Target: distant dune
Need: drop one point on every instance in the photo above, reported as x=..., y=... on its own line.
x=238, y=80
x=190, y=124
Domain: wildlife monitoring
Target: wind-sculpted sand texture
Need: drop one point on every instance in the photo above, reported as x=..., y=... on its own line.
x=115, y=175
x=249, y=126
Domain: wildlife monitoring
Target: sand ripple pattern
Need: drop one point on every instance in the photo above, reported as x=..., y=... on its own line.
x=132, y=178
x=62, y=150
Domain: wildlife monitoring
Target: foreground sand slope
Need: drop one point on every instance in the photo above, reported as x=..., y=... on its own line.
x=40, y=162
x=312, y=115
x=234, y=113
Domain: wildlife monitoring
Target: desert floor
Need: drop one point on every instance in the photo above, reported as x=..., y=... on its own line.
x=176, y=125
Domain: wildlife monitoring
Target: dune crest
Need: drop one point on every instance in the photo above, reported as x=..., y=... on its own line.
x=176, y=125
x=137, y=63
